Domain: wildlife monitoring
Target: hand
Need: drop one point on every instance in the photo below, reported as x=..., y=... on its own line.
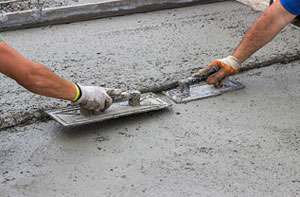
x=220, y=69
x=95, y=98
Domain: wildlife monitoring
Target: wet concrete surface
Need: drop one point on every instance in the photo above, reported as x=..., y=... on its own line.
x=243, y=143
x=149, y=51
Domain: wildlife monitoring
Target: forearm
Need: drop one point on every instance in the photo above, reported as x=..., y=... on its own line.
x=44, y=82
x=33, y=76
x=267, y=26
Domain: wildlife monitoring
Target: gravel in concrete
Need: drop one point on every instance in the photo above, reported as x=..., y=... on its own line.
x=32, y=4
x=257, y=4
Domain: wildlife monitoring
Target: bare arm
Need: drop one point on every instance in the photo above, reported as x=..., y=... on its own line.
x=266, y=27
x=33, y=76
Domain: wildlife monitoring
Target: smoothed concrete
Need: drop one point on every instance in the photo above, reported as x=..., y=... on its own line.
x=244, y=143
x=149, y=52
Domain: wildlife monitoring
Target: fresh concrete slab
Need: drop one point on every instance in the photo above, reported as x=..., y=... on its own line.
x=149, y=52
x=244, y=143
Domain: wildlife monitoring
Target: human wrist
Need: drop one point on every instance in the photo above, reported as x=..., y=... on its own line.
x=78, y=92
x=236, y=64
x=232, y=61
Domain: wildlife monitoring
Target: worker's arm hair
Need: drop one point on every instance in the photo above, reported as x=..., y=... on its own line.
x=266, y=27
x=33, y=76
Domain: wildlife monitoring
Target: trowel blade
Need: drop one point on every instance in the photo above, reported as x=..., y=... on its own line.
x=201, y=91
x=71, y=116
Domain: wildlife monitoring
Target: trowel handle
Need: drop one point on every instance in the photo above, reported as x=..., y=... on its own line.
x=184, y=85
x=125, y=96
x=119, y=98
x=195, y=80
x=132, y=97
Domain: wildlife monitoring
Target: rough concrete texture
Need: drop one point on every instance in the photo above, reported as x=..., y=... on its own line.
x=257, y=4
x=31, y=4
x=148, y=51
x=244, y=143
x=88, y=11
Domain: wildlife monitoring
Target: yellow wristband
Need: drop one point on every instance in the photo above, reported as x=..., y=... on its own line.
x=77, y=94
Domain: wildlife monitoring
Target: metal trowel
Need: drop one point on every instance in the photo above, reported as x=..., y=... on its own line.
x=128, y=103
x=194, y=88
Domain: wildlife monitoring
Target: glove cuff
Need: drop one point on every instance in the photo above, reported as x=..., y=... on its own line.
x=79, y=95
x=78, y=92
x=232, y=61
x=235, y=63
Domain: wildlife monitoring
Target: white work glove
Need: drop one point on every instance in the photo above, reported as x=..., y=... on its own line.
x=95, y=98
x=225, y=67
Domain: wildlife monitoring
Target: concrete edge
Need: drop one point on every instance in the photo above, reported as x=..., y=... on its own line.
x=39, y=115
x=68, y=14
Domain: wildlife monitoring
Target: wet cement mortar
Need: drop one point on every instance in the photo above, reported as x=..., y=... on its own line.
x=149, y=52
x=243, y=143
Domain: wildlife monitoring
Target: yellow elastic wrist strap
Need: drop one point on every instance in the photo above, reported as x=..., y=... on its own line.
x=77, y=94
